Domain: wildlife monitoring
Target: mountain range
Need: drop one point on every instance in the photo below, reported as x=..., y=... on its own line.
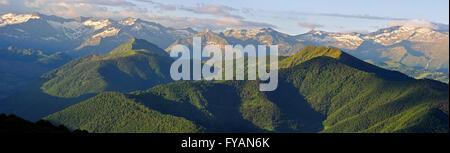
x=80, y=36
x=104, y=75
x=421, y=48
x=321, y=90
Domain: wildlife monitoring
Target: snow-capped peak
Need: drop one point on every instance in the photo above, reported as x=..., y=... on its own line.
x=414, y=24
x=11, y=18
x=417, y=30
x=97, y=24
x=317, y=32
x=128, y=21
x=340, y=40
x=242, y=34
x=111, y=31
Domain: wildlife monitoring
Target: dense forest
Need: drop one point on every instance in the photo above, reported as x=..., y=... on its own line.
x=320, y=90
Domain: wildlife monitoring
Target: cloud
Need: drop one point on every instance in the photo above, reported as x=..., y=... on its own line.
x=216, y=24
x=296, y=14
x=222, y=15
x=4, y=2
x=247, y=11
x=309, y=25
x=75, y=8
x=420, y=23
x=201, y=8
x=369, y=17
x=104, y=2
x=161, y=6
x=223, y=18
x=94, y=2
x=216, y=10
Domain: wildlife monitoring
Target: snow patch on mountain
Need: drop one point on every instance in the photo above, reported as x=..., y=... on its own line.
x=107, y=33
x=72, y=30
x=244, y=34
x=340, y=40
x=97, y=24
x=11, y=18
x=393, y=35
x=128, y=21
x=420, y=24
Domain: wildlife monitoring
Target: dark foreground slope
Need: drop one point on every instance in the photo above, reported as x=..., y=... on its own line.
x=320, y=90
x=13, y=124
x=135, y=65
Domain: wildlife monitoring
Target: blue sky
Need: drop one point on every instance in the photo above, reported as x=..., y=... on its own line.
x=289, y=16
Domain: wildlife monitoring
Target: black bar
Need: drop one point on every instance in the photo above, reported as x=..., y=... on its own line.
x=276, y=141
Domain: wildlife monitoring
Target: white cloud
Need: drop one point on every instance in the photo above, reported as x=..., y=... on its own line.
x=4, y=2
x=75, y=8
x=161, y=6
x=94, y=2
x=222, y=16
x=216, y=10
x=217, y=24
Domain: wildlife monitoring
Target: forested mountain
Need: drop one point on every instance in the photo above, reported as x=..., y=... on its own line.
x=124, y=83
x=19, y=67
x=320, y=90
x=135, y=65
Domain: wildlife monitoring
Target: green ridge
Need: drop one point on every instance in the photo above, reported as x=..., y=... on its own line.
x=325, y=91
x=134, y=65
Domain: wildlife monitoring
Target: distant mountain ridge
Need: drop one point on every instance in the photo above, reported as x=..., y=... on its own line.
x=287, y=45
x=81, y=36
x=419, y=47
